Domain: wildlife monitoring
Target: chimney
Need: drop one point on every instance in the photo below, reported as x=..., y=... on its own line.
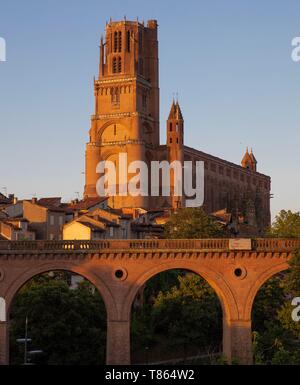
x=15, y=200
x=33, y=200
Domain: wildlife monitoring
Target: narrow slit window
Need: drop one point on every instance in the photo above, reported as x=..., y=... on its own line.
x=128, y=41
x=120, y=41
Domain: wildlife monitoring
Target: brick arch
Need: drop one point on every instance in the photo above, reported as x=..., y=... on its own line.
x=257, y=285
x=213, y=278
x=24, y=277
x=101, y=130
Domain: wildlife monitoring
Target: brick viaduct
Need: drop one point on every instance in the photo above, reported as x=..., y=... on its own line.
x=236, y=269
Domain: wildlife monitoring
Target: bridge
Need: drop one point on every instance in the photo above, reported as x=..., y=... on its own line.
x=235, y=268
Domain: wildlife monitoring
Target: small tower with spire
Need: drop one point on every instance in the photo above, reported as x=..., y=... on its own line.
x=175, y=144
x=249, y=161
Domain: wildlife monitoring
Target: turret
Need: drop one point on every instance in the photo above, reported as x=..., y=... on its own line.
x=175, y=144
x=249, y=161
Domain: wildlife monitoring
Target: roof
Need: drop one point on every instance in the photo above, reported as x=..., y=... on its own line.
x=92, y=226
x=16, y=219
x=223, y=161
x=12, y=225
x=122, y=213
x=87, y=203
x=49, y=202
x=4, y=199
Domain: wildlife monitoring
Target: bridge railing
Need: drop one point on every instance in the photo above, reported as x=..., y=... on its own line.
x=53, y=245
x=266, y=244
x=261, y=244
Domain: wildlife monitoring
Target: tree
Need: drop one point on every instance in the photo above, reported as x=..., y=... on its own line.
x=186, y=317
x=190, y=223
x=270, y=298
x=286, y=225
x=277, y=335
x=68, y=325
x=189, y=313
x=292, y=290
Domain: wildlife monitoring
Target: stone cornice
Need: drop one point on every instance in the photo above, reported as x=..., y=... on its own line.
x=167, y=255
x=124, y=79
x=118, y=115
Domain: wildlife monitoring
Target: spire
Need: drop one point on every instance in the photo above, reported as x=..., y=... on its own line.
x=253, y=157
x=172, y=114
x=178, y=112
x=175, y=112
x=249, y=160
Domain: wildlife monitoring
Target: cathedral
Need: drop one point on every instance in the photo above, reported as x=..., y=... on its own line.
x=126, y=120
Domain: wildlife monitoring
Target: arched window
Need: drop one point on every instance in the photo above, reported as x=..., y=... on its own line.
x=128, y=41
x=171, y=127
x=120, y=41
x=115, y=41
x=114, y=65
x=119, y=64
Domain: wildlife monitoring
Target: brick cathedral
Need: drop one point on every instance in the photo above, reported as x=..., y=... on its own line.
x=126, y=120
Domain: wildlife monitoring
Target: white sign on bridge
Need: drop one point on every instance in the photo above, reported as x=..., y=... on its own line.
x=240, y=244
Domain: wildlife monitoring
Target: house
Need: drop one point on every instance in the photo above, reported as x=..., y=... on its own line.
x=46, y=221
x=98, y=224
x=16, y=229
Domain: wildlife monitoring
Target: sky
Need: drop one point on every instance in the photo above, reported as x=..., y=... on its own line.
x=229, y=61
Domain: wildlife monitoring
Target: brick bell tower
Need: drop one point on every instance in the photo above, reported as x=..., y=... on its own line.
x=175, y=145
x=126, y=116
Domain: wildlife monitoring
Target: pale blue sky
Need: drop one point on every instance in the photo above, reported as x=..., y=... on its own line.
x=229, y=60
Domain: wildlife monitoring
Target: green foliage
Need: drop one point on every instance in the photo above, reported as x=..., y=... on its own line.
x=270, y=298
x=292, y=276
x=69, y=325
x=286, y=225
x=272, y=340
x=190, y=223
x=187, y=313
x=277, y=336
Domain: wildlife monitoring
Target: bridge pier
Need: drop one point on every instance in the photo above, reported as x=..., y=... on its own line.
x=237, y=342
x=4, y=343
x=118, y=343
